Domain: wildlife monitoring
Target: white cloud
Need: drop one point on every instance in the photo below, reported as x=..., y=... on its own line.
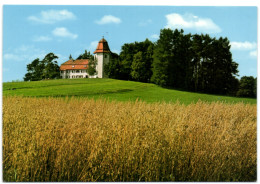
x=42, y=38
x=63, y=32
x=243, y=45
x=52, y=16
x=93, y=45
x=190, y=21
x=155, y=36
x=24, y=53
x=13, y=57
x=145, y=23
x=116, y=51
x=253, y=53
x=107, y=19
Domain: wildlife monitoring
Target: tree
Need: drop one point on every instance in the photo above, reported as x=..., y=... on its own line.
x=214, y=71
x=141, y=65
x=247, y=87
x=51, y=69
x=194, y=62
x=127, y=58
x=92, y=63
x=34, y=71
x=113, y=68
x=138, y=67
x=70, y=57
x=43, y=69
x=86, y=55
x=162, y=57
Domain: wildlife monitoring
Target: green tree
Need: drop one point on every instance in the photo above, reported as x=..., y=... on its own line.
x=214, y=71
x=247, y=87
x=92, y=63
x=113, y=68
x=138, y=67
x=127, y=58
x=86, y=55
x=34, y=71
x=162, y=58
x=43, y=69
x=50, y=67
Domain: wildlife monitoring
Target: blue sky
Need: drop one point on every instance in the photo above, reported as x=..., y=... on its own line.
x=31, y=32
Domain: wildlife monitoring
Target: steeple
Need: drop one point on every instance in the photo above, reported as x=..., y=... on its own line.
x=102, y=47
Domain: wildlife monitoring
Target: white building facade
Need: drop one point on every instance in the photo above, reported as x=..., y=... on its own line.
x=78, y=68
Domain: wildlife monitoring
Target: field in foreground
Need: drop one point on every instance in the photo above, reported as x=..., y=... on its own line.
x=110, y=89
x=71, y=139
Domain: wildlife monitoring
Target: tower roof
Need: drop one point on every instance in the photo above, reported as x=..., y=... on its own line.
x=102, y=47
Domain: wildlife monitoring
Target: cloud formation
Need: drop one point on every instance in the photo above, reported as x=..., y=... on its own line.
x=155, y=36
x=108, y=19
x=12, y=56
x=52, y=16
x=42, y=39
x=93, y=45
x=189, y=21
x=243, y=45
x=25, y=53
x=145, y=23
x=253, y=54
x=63, y=32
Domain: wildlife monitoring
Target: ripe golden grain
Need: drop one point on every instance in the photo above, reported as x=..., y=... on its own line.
x=86, y=140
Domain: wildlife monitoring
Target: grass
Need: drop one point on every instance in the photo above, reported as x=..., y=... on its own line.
x=113, y=130
x=76, y=139
x=110, y=89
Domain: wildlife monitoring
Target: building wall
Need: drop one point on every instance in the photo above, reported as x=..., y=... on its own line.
x=102, y=60
x=71, y=74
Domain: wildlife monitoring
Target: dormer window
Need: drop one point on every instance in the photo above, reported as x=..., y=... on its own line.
x=73, y=66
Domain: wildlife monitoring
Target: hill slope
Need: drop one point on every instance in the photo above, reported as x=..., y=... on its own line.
x=110, y=89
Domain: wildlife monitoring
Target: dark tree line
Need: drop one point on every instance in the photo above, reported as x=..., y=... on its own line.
x=247, y=87
x=194, y=62
x=133, y=63
x=184, y=61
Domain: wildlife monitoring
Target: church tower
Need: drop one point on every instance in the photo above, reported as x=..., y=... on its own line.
x=102, y=54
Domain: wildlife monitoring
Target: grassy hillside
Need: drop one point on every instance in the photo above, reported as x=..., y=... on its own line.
x=110, y=89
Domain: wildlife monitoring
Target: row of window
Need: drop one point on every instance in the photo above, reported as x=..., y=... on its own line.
x=76, y=76
x=73, y=71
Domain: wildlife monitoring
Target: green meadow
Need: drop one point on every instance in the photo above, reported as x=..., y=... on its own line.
x=112, y=90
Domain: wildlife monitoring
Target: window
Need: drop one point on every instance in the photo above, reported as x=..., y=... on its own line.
x=105, y=56
x=77, y=71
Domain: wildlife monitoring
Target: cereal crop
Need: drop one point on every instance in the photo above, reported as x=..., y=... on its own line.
x=77, y=139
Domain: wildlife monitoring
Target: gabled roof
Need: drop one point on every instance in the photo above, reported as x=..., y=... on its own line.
x=79, y=64
x=102, y=47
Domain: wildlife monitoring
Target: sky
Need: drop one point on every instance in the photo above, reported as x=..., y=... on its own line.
x=32, y=31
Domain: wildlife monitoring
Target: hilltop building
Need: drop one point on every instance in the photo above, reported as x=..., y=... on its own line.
x=78, y=68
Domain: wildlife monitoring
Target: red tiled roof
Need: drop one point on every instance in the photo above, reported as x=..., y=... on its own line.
x=79, y=64
x=102, y=46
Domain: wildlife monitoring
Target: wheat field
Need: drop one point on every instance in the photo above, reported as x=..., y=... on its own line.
x=74, y=139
